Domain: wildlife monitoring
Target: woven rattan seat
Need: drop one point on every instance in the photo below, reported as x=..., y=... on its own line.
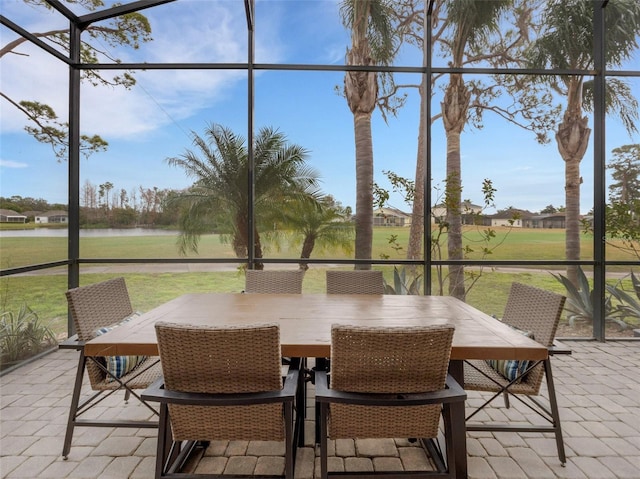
x=274, y=282
x=220, y=384
x=536, y=311
x=389, y=383
x=92, y=307
x=355, y=282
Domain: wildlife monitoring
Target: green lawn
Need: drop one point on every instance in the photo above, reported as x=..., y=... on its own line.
x=44, y=291
x=517, y=244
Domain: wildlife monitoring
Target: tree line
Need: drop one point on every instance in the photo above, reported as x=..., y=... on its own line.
x=105, y=206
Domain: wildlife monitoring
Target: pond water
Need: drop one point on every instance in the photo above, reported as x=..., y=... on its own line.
x=90, y=233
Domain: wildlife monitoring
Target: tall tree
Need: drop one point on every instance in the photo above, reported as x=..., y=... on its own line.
x=103, y=193
x=567, y=43
x=318, y=224
x=466, y=34
x=622, y=213
x=125, y=30
x=471, y=21
x=372, y=43
x=626, y=174
x=219, y=197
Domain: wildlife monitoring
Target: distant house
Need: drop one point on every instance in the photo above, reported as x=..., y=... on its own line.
x=512, y=217
x=10, y=216
x=391, y=217
x=31, y=214
x=469, y=212
x=548, y=221
x=57, y=216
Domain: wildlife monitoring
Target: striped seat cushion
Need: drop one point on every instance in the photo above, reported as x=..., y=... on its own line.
x=118, y=366
x=511, y=369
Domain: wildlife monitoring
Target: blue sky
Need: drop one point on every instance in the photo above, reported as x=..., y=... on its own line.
x=154, y=120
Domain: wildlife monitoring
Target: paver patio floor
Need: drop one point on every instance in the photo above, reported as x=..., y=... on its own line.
x=598, y=389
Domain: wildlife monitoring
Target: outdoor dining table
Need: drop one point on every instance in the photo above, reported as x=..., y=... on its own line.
x=305, y=329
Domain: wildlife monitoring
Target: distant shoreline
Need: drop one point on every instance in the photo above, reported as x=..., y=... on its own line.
x=86, y=233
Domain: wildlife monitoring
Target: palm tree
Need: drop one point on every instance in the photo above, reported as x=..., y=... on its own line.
x=471, y=20
x=372, y=43
x=318, y=224
x=567, y=43
x=464, y=32
x=219, y=198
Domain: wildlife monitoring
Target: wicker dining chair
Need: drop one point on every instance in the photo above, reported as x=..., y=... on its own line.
x=355, y=282
x=220, y=383
x=390, y=382
x=535, y=312
x=280, y=282
x=348, y=282
x=274, y=282
x=94, y=309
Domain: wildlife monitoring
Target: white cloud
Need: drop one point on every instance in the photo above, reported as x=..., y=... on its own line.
x=189, y=32
x=183, y=32
x=35, y=77
x=12, y=164
x=197, y=32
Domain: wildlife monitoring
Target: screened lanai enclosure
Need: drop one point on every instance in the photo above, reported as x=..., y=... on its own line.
x=456, y=145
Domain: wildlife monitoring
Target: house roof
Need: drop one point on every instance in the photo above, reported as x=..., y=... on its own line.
x=389, y=211
x=54, y=213
x=466, y=206
x=511, y=213
x=11, y=213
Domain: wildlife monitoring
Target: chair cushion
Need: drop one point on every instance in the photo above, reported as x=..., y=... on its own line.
x=511, y=368
x=118, y=366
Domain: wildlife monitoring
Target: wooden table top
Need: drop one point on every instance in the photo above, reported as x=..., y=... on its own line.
x=305, y=322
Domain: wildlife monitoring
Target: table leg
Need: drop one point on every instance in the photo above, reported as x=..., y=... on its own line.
x=301, y=400
x=322, y=364
x=459, y=429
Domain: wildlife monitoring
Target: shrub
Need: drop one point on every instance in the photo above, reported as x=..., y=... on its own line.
x=22, y=335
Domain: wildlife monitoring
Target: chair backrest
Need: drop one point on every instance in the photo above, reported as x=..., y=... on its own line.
x=538, y=311
x=96, y=306
x=280, y=281
x=392, y=360
x=229, y=360
x=355, y=282
x=534, y=309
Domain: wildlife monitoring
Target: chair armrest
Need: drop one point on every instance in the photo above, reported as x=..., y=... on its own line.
x=290, y=386
x=452, y=393
x=157, y=392
x=558, y=348
x=455, y=388
x=72, y=343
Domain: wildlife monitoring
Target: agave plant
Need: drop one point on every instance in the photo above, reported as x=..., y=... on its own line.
x=580, y=301
x=628, y=305
x=401, y=285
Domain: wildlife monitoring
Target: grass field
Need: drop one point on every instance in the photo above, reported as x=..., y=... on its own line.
x=43, y=291
x=516, y=244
